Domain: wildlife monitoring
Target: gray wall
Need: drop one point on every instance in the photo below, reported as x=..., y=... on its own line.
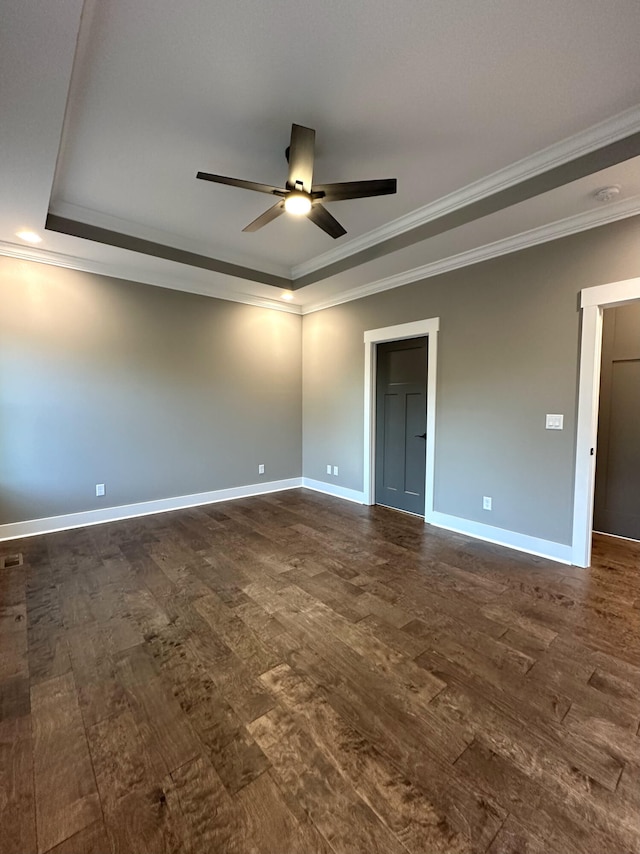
x=154, y=392
x=508, y=354
x=158, y=393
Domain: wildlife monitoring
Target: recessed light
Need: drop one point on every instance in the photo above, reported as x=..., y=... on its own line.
x=287, y=295
x=297, y=203
x=29, y=236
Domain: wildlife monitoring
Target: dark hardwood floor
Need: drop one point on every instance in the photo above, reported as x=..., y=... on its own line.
x=294, y=674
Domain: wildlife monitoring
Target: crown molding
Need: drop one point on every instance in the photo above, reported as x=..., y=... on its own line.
x=543, y=234
x=524, y=240
x=598, y=136
x=120, y=225
x=118, y=271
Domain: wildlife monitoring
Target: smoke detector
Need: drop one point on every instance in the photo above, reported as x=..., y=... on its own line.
x=607, y=194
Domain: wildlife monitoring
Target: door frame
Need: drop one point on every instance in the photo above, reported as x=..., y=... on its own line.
x=593, y=301
x=415, y=329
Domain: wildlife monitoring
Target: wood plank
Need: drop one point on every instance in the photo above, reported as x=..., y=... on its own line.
x=466, y=810
x=451, y=661
x=66, y=795
x=17, y=800
x=268, y=820
x=405, y=697
x=91, y=840
x=402, y=642
x=236, y=635
x=400, y=804
x=554, y=760
x=565, y=759
x=100, y=693
x=47, y=650
x=344, y=820
x=337, y=594
x=445, y=635
x=370, y=604
x=213, y=821
x=565, y=679
x=513, y=838
x=528, y=802
x=259, y=621
x=233, y=752
x=14, y=697
x=224, y=739
x=160, y=720
x=135, y=791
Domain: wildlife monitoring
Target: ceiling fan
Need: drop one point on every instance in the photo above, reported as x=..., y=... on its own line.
x=301, y=196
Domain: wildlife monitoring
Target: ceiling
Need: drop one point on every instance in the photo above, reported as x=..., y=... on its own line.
x=499, y=119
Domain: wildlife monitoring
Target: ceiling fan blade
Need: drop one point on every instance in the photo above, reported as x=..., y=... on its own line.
x=265, y=218
x=354, y=190
x=244, y=185
x=322, y=218
x=301, y=155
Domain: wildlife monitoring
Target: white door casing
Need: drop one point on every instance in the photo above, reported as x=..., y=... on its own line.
x=372, y=337
x=593, y=301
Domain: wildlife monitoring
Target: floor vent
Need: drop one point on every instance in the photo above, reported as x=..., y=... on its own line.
x=9, y=561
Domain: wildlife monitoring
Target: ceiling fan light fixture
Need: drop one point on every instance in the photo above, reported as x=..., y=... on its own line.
x=297, y=203
x=300, y=196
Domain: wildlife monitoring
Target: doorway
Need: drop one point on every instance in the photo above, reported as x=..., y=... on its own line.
x=401, y=424
x=617, y=487
x=593, y=302
x=372, y=338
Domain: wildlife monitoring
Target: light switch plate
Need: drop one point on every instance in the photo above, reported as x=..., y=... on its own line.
x=555, y=422
x=99, y=490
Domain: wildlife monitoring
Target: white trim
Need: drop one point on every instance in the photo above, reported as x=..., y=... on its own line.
x=616, y=536
x=541, y=234
x=172, y=282
x=33, y=527
x=332, y=489
x=593, y=301
x=615, y=293
x=416, y=328
x=595, y=137
x=511, y=539
x=586, y=434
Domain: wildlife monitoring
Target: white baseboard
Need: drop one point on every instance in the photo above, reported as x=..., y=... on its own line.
x=616, y=536
x=331, y=489
x=33, y=527
x=500, y=536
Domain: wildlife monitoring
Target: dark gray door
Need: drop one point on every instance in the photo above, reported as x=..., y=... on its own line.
x=401, y=424
x=617, y=495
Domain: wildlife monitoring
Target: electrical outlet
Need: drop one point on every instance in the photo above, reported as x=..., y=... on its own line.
x=335, y=470
x=486, y=502
x=99, y=490
x=261, y=468
x=328, y=468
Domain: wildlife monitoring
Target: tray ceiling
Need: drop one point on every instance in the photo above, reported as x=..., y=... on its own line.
x=122, y=104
